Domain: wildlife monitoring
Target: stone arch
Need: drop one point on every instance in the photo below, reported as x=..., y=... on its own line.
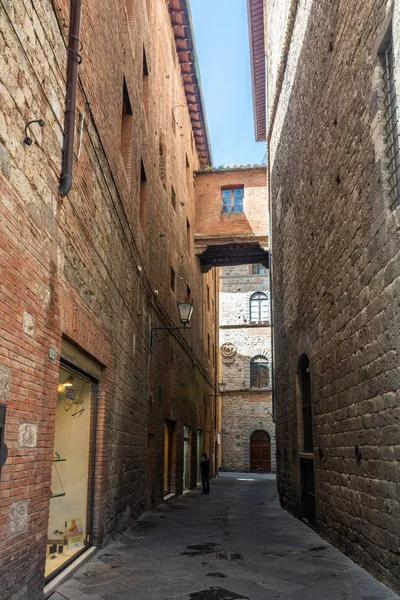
x=247, y=433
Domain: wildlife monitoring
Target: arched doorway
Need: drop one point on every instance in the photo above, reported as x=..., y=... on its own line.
x=260, y=452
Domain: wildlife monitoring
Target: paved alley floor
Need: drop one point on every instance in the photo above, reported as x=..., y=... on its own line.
x=237, y=543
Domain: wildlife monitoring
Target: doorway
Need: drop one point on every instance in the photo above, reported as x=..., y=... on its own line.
x=199, y=445
x=186, y=458
x=169, y=458
x=260, y=452
x=71, y=503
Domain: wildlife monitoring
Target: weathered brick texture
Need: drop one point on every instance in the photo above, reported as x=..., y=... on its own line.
x=86, y=269
x=336, y=276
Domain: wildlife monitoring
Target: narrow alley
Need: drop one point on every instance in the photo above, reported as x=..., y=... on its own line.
x=236, y=544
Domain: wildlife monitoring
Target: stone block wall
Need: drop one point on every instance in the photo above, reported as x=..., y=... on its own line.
x=336, y=277
x=244, y=410
x=95, y=267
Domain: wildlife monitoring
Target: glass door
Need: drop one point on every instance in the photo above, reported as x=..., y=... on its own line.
x=70, y=511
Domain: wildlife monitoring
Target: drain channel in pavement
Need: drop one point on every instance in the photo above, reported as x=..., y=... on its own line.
x=200, y=549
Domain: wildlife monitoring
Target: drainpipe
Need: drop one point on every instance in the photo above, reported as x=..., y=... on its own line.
x=70, y=104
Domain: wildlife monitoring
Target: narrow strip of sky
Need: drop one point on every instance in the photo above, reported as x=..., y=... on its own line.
x=222, y=41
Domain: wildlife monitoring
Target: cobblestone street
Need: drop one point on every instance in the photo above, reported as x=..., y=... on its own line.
x=235, y=544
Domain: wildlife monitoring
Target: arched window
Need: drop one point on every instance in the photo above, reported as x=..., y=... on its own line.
x=259, y=372
x=259, y=308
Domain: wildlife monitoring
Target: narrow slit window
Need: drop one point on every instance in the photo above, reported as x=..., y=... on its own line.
x=172, y=279
x=208, y=345
x=173, y=197
x=126, y=130
x=188, y=295
x=143, y=194
x=145, y=85
x=130, y=11
x=188, y=235
x=173, y=121
x=391, y=120
x=208, y=297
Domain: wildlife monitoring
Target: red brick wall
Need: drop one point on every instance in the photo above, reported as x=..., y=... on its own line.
x=83, y=267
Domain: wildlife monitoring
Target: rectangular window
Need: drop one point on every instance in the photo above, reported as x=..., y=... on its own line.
x=208, y=345
x=188, y=235
x=173, y=197
x=172, y=280
x=232, y=199
x=143, y=193
x=391, y=118
x=208, y=297
x=188, y=294
x=126, y=130
x=213, y=355
x=145, y=85
x=189, y=175
x=258, y=269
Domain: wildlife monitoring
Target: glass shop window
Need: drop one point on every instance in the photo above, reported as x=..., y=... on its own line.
x=70, y=509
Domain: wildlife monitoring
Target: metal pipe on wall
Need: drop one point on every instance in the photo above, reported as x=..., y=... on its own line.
x=70, y=104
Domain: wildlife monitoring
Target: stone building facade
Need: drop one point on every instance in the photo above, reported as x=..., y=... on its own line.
x=332, y=137
x=101, y=415
x=245, y=348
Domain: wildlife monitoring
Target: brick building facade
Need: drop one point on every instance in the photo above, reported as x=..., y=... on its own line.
x=98, y=425
x=245, y=348
x=332, y=136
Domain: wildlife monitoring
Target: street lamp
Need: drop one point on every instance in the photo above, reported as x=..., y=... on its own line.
x=185, y=314
x=222, y=386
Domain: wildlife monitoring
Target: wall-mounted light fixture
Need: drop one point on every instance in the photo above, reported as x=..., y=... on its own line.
x=185, y=314
x=221, y=388
x=28, y=140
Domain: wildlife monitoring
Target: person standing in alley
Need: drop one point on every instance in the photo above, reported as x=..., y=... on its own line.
x=205, y=471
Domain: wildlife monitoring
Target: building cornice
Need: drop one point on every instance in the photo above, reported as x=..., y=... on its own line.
x=182, y=25
x=256, y=19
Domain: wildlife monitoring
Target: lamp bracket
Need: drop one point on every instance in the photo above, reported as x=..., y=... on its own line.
x=154, y=329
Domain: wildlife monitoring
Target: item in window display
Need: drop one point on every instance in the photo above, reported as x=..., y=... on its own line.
x=74, y=532
x=53, y=548
x=56, y=456
x=58, y=532
x=60, y=549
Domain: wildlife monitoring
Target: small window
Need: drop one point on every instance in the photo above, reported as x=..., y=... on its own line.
x=143, y=194
x=126, y=130
x=259, y=372
x=130, y=11
x=173, y=121
x=208, y=345
x=145, y=85
x=208, y=297
x=188, y=235
x=258, y=269
x=391, y=119
x=172, y=280
x=232, y=199
x=173, y=197
x=188, y=294
x=213, y=355
x=162, y=165
x=259, y=308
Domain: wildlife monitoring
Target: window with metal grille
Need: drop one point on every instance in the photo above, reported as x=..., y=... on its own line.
x=259, y=372
x=259, y=308
x=232, y=199
x=391, y=120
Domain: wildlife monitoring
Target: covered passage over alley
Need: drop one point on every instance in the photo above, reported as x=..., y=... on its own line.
x=235, y=544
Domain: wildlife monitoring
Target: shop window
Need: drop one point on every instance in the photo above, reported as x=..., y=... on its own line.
x=71, y=497
x=259, y=308
x=126, y=130
x=232, y=199
x=259, y=372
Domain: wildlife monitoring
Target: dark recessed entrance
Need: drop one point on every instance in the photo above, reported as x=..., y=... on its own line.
x=260, y=452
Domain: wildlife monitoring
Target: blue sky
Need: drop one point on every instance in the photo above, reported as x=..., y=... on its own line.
x=223, y=49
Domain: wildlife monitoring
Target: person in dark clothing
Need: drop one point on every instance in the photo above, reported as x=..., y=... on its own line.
x=205, y=471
